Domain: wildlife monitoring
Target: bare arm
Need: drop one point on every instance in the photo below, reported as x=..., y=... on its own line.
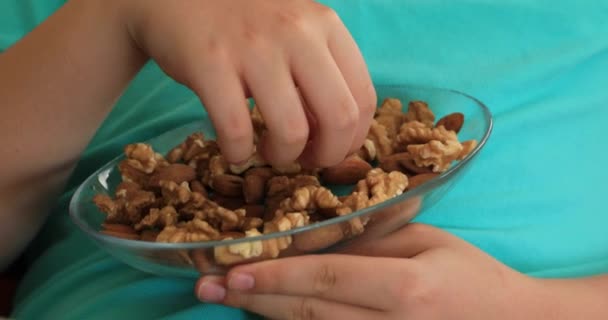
x=56, y=87
x=60, y=81
x=583, y=298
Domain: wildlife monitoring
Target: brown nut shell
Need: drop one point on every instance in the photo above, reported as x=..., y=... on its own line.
x=349, y=171
x=318, y=239
x=452, y=121
x=420, y=179
x=228, y=185
x=254, y=184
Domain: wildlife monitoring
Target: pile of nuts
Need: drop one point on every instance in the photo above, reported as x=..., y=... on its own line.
x=192, y=194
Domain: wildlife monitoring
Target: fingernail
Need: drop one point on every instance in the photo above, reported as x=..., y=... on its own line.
x=241, y=281
x=211, y=292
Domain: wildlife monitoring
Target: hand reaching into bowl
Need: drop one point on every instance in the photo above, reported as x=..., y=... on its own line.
x=225, y=51
x=273, y=50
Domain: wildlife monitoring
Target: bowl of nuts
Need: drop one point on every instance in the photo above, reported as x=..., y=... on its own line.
x=173, y=206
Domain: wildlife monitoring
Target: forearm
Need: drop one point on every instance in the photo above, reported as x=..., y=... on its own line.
x=56, y=86
x=556, y=299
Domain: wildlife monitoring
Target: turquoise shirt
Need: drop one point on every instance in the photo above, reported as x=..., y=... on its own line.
x=534, y=199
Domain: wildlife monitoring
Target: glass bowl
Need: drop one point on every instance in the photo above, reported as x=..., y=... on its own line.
x=194, y=259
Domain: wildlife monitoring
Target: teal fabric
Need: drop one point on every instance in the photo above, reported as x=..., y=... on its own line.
x=534, y=199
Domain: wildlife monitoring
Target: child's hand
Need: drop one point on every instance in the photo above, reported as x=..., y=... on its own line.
x=419, y=272
x=224, y=50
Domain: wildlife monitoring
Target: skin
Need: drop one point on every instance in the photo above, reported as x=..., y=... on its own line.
x=215, y=48
x=225, y=51
x=419, y=272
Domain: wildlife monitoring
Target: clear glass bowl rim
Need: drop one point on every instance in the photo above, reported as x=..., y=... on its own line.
x=426, y=187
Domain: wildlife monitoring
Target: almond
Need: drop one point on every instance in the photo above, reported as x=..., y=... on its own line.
x=230, y=203
x=201, y=166
x=176, y=172
x=118, y=227
x=128, y=236
x=390, y=165
x=197, y=186
x=393, y=162
x=327, y=212
x=349, y=171
x=254, y=210
x=228, y=185
x=318, y=239
x=149, y=235
x=202, y=260
x=453, y=121
x=288, y=169
x=254, y=184
x=272, y=204
x=420, y=179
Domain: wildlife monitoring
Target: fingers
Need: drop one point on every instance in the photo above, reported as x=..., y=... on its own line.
x=289, y=307
x=354, y=69
x=330, y=101
x=362, y=281
x=408, y=242
x=322, y=60
x=275, y=94
x=211, y=288
x=221, y=91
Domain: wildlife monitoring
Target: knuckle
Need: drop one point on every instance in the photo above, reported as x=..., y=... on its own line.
x=292, y=20
x=347, y=116
x=295, y=135
x=296, y=23
x=216, y=50
x=328, y=14
x=191, y=68
x=256, y=43
x=235, y=134
x=251, y=36
x=421, y=294
x=303, y=309
x=250, y=33
x=410, y=289
x=419, y=230
x=325, y=279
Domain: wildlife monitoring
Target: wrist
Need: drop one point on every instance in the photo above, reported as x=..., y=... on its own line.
x=129, y=15
x=567, y=299
x=116, y=17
